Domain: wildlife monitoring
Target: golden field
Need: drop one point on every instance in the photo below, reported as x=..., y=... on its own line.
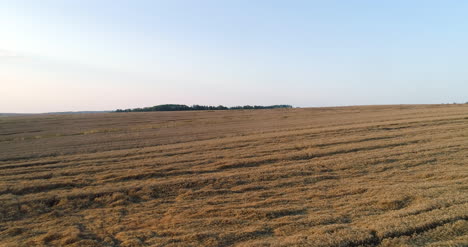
x=341, y=176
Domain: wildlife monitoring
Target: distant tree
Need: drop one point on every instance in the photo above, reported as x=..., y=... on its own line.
x=176, y=107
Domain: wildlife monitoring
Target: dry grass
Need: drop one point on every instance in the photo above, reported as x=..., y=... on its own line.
x=348, y=176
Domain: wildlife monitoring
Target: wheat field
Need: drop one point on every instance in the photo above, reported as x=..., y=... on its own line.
x=338, y=176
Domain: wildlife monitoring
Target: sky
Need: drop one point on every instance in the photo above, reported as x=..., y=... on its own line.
x=77, y=55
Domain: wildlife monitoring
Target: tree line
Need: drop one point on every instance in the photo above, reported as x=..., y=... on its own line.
x=175, y=107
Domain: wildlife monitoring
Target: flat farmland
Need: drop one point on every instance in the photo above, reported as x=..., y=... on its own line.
x=337, y=176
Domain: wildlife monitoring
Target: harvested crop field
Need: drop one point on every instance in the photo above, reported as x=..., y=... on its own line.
x=342, y=176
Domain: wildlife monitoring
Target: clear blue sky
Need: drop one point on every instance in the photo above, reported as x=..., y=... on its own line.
x=68, y=55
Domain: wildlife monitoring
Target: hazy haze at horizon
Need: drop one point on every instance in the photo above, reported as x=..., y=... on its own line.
x=104, y=55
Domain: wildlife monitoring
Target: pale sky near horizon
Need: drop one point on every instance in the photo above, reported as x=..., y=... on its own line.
x=66, y=55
